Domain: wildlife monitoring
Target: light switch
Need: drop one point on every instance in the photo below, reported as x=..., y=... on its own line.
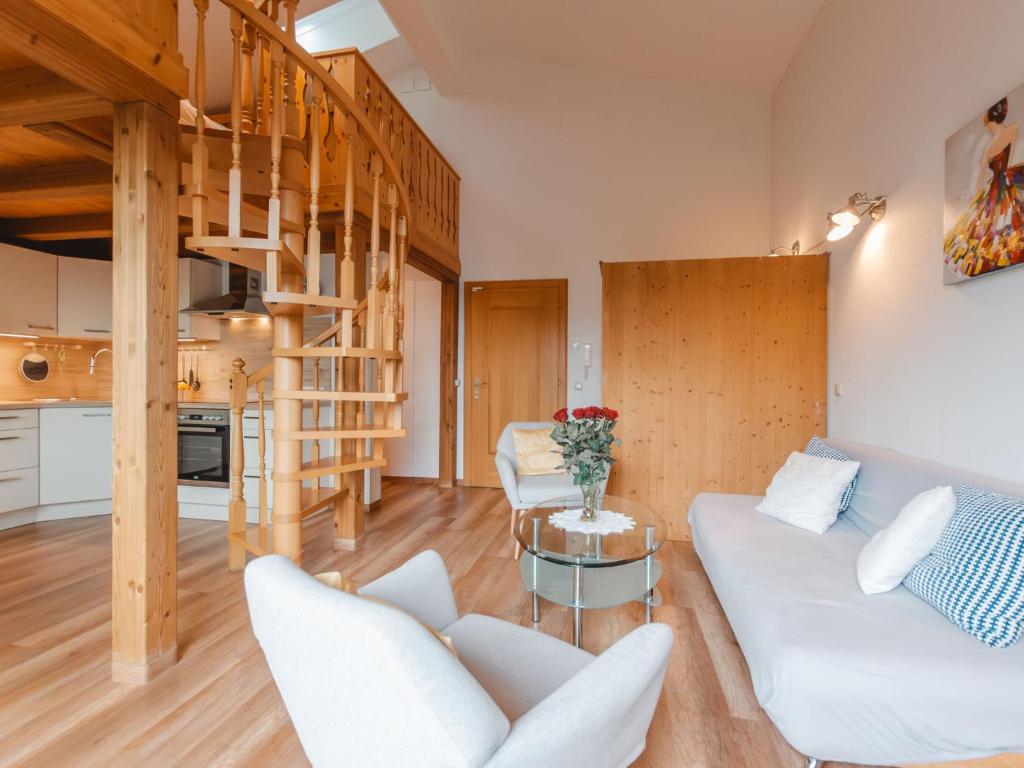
x=578, y=386
x=837, y=389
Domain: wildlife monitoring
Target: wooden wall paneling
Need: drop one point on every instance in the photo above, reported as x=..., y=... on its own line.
x=449, y=372
x=145, y=505
x=718, y=369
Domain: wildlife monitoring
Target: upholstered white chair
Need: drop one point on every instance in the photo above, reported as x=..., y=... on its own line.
x=369, y=685
x=525, y=491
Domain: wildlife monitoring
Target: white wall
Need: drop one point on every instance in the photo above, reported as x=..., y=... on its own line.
x=416, y=454
x=563, y=168
x=866, y=105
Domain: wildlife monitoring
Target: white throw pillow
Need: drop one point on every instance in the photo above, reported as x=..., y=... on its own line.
x=893, y=552
x=807, y=491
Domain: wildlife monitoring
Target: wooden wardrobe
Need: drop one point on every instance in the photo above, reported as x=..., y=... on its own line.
x=718, y=368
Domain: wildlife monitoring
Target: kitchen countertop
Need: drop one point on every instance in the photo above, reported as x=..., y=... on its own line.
x=68, y=403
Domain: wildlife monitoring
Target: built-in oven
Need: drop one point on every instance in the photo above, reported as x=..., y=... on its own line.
x=204, y=446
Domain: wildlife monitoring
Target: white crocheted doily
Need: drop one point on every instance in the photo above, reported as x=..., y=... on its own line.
x=606, y=522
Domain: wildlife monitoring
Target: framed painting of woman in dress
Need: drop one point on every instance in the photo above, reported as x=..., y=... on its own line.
x=984, y=213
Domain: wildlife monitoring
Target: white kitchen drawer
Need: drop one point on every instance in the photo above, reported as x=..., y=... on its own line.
x=252, y=453
x=19, y=488
x=19, y=448
x=19, y=418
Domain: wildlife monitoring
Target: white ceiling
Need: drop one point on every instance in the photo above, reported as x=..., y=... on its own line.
x=715, y=42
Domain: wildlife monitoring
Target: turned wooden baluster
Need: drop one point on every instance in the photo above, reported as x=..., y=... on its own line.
x=274, y=204
x=315, y=447
x=403, y=244
x=200, y=152
x=259, y=84
x=291, y=106
x=236, y=506
x=235, y=172
x=391, y=309
x=373, y=294
x=248, y=94
x=313, y=236
x=348, y=279
x=261, y=447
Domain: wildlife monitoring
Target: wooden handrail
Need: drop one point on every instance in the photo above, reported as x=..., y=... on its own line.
x=333, y=89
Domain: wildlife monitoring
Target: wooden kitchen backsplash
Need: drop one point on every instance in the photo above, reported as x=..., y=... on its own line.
x=250, y=340
x=74, y=381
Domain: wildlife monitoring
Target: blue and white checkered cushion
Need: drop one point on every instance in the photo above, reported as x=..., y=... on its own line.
x=975, y=574
x=821, y=449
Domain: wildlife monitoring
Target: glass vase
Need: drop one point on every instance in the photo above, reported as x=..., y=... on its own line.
x=590, y=493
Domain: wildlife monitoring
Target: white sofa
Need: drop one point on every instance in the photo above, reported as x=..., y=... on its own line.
x=368, y=685
x=882, y=679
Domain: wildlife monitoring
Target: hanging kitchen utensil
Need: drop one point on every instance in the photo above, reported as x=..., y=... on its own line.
x=191, y=372
x=195, y=384
x=182, y=385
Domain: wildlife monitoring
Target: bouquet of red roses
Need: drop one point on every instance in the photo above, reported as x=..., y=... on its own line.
x=586, y=440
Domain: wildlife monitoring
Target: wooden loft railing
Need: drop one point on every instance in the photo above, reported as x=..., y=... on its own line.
x=255, y=195
x=432, y=182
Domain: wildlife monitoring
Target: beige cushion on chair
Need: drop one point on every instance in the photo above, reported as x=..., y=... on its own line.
x=536, y=452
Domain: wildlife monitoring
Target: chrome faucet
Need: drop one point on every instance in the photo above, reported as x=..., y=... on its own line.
x=92, y=360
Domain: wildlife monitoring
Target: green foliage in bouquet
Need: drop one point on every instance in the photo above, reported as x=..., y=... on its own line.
x=586, y=441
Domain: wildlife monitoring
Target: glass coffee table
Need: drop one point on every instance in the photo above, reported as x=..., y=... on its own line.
x=590, y=570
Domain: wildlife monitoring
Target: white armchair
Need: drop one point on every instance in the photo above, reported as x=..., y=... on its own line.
x=368, y=685
x=525, y=491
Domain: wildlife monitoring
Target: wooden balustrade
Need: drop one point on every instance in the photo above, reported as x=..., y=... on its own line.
x=432, y=183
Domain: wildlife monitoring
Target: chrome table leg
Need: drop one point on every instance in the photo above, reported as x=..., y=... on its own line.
x=577, y=611
x=536, y=548
x=648, y=573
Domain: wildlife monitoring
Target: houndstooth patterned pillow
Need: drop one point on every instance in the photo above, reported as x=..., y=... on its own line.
x=821, y=449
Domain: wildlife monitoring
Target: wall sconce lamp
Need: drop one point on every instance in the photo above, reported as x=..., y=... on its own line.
x=842, y=222
x=793, y=250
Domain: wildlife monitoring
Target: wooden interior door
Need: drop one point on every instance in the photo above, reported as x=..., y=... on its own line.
x=718, y=368
x=515, y=363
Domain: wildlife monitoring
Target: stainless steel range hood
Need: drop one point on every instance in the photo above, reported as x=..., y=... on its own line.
x=243, y=297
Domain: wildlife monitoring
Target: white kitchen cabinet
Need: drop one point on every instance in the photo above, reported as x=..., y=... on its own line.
x=28, y=291
x=75, y=454
x=85, y=298
x=198, y=280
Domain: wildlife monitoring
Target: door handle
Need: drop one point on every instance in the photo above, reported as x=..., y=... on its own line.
x=477, y=386
x=38, y=327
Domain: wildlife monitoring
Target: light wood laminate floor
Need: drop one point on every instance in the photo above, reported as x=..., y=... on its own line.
x=218, y=705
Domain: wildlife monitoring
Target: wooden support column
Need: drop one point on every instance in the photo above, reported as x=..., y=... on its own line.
x=449, y=370
x=145, y=507
x=350, y=509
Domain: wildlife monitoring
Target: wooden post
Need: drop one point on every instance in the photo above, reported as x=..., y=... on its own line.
x=449, y=370
x=350, y=509
x=286, y=511
x=236, y=506
x=145, y=505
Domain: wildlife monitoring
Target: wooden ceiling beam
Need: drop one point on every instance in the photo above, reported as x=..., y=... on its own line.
x=80, y=226
x=88, y=43
x=36, y=95
x=72, y=137
x=56, y=181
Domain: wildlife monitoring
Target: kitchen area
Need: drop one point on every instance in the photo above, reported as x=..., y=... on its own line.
x=56, y=329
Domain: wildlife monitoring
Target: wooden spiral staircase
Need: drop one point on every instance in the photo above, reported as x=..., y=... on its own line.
x=253, y=193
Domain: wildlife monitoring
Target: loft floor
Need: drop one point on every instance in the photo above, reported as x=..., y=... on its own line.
x=219, y=706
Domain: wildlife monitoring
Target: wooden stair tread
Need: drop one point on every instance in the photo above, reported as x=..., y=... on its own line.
x=308, y=300
x=331, y=465
x=326, y=394
x=315, y=499
x=345, y=433
x=382, y=354
x=256, y=540
x=250, y=252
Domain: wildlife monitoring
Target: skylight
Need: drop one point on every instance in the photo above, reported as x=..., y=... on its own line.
x=361, y=24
